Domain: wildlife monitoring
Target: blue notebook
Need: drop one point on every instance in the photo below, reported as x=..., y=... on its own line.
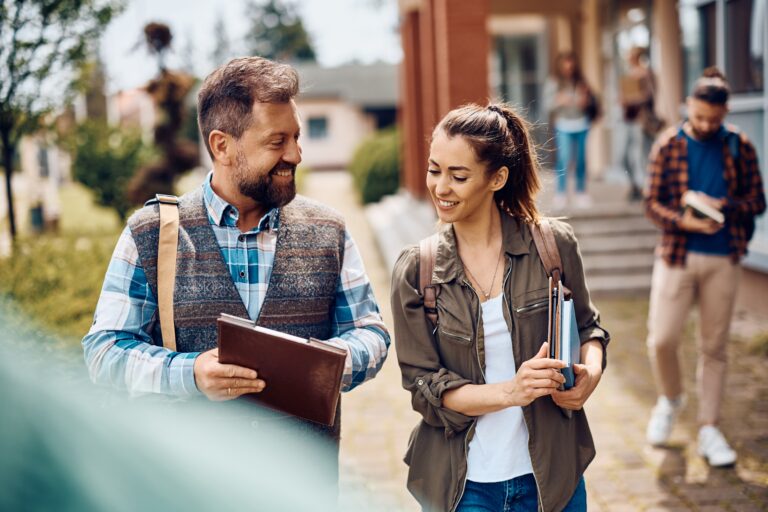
x=570, y=345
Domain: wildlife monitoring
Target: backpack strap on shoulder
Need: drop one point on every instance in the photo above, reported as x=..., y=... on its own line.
x=733, y=139
x=167, y=246
x=429, y=291
x=544, y=238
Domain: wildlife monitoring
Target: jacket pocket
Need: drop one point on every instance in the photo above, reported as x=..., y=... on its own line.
x=530, y=302
x=532, y=308
x=455, y=337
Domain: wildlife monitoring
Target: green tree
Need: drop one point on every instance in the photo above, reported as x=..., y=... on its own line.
x=105, y=159
x=222, y=49
x=277, y=32
x=42, y=43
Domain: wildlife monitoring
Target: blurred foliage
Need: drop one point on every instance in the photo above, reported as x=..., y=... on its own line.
x=57, y=280
x=189, y=128
x=375, y=165
x=81, y=215
x=277, y=32
x=222, y=48
x=301, y=178
x=43, y=45
x=758, y=345
x=105, y=160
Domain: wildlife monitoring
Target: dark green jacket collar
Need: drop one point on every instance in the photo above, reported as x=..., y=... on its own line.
x=516, y=240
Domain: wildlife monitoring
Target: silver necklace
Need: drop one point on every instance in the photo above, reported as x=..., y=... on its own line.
x=493, y=279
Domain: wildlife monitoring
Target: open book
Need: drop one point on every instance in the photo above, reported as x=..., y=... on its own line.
x=303, y=376
x=701, y=208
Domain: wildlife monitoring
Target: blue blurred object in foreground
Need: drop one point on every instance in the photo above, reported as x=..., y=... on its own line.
x=67, y=445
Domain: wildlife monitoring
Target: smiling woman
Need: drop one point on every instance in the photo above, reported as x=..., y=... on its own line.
x=480, y=376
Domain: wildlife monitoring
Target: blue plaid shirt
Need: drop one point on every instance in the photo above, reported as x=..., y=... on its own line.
x=118, y=349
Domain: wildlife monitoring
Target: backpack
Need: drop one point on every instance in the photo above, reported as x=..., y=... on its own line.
x=733, y=141
x=592, y=109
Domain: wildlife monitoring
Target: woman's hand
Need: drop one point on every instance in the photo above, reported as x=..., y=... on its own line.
x=536, y=377
x=587, y=378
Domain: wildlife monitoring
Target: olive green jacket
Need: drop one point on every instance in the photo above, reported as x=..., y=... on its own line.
x=561, y=447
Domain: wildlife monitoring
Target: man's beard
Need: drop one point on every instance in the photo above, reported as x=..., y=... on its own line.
x=261, y=188
x=703, y=136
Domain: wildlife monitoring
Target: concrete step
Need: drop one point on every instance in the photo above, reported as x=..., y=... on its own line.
x=631, y=284
x=599, y=210
x=618, y=244
x=634, y=224
x=399, y=221
x=634, y=262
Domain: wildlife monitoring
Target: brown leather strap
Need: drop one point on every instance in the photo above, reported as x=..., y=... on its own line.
x=544, y=239
x=166, y=266
x=429, y=291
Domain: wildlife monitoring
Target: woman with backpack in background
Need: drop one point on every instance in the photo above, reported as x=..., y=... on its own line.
x=495, y=428
x=572, y=107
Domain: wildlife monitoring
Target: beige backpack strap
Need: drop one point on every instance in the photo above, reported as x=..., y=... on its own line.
x=166, y=266
x=544, y=239
x=429, y=291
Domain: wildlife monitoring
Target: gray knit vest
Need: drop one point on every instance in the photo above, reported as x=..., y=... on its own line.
x=302, y=288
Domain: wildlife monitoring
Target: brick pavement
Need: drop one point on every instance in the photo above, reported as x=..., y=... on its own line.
x=627, y=475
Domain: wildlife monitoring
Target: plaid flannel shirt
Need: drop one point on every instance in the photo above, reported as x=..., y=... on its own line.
x=118, y=348
x=668, y=181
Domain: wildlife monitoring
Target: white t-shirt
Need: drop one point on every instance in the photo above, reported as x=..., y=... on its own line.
x=499, y=449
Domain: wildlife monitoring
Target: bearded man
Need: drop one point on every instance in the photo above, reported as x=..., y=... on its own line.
x=248, y=246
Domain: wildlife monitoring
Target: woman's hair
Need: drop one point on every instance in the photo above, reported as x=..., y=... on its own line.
x=500, y=137
x=711, y=87
x=577, y=77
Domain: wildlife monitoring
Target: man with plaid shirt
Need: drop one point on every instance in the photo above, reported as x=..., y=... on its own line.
x=248, y=246
x=698, y=257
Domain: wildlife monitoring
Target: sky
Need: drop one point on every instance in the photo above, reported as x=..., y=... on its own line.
x=341, y=31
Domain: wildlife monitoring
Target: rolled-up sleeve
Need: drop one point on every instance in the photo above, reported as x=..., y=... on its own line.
x=423, y=374
x=118, y=349
x=357, y=325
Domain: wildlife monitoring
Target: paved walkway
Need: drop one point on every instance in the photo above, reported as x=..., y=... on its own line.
x=627, y=475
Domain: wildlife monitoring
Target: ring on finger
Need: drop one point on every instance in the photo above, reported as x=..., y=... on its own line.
x=229, y=391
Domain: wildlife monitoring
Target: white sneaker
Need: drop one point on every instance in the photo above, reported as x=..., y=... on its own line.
x=662, y=419
x=559, y=201
x=714, y=447
x=583, y=200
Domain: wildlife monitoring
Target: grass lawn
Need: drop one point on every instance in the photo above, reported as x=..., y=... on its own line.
x=55, y=278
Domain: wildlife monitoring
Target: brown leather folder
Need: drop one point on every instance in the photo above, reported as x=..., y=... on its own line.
x=303, y=376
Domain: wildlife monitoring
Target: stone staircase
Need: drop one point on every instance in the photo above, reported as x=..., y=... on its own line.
x=617, y=244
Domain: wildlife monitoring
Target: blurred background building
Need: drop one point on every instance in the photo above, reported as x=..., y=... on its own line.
x=340, y=107
x=457, y=52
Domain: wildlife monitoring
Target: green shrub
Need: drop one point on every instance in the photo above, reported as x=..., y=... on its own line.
x=57, y=280
x=105, y=159
x=301, y=178
x=375, y=166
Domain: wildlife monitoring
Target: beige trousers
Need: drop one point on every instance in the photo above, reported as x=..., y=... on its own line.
x=712, y=281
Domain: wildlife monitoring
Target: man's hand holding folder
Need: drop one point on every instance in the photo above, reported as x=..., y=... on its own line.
x=304, y=375
x=219, y=381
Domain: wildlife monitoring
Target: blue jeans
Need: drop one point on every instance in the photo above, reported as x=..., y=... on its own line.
x=518, y=494
x=571, y=147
